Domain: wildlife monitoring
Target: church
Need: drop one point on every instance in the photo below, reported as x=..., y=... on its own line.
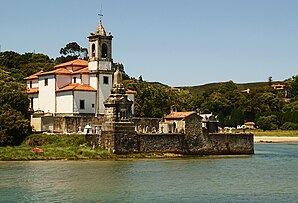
x=89, y=97
x=78, y=87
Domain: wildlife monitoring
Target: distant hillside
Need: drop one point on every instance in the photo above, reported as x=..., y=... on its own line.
x=200, y=89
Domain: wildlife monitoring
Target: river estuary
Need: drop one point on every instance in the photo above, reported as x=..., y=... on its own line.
x=271, y=175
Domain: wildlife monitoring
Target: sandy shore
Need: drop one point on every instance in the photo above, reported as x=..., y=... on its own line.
x=270, y=139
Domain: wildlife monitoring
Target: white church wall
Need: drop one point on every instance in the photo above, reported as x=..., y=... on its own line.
x=65, y=102
x=88, y=99
x=32, y=83
x=93, y=81
x=63, y=80
x=105, y=91
x=92, y=65
x=73, y=68
x=85, y=79
x=33, y=98
x=76, y=79
x=46, y=85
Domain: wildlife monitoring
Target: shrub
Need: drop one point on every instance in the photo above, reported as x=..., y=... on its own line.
x=289, y=126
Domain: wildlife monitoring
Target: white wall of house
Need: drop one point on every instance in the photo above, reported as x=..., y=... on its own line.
x=104, y=91
x=62, y=80
x=47, y=94
x=89, y=101
x=65, y=102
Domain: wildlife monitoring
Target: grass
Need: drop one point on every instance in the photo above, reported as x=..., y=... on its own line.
x=55, y=147
x=66, y=147
x=274, y=133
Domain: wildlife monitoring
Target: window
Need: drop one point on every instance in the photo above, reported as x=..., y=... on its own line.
x=93, y=50
x=105, y=80
x=93, y=105
x=82, y=104
x=104, y=51
x=74, y=79
x=30, y=84
x=46, y=82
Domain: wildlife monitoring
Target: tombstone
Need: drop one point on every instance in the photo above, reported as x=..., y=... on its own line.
x=87, y=129
x=98, y=129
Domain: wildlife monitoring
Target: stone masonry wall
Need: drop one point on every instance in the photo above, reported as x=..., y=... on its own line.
x=171, y=143
x=71, y=124
x=143, y=124
x=121, y=138
x=231, y=143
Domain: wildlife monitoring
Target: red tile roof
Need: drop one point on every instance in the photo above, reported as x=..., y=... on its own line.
x=33, y=76
x=249, y=123
x=32, y=90
x=82, y=71
x=175, y=115
x=77, y=87
x=77, y=62
x=58, y=71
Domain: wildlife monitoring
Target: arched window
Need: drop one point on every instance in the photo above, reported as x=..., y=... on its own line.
x=93, y=50
x=104, y=51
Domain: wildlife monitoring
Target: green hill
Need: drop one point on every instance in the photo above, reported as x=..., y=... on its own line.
x=200, y=89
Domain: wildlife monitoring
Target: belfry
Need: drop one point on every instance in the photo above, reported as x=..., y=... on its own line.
x=100, y=64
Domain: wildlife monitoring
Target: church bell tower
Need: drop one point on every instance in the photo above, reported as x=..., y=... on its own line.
x=100, y=64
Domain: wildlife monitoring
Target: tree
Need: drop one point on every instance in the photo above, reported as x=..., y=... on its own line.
x=293, y=86
x=14, y=126
x=270, y=81
x=267, y=122
x=22, y=65
x=72, y=51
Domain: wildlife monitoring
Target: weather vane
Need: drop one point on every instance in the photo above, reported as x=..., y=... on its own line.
x=100, y=14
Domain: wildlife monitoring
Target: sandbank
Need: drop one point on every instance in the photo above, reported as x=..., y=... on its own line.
x=273, y=139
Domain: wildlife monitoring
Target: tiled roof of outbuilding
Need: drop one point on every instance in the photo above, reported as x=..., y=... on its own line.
x=175, y=115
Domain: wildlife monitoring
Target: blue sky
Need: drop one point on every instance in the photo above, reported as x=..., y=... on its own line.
x=176, y=42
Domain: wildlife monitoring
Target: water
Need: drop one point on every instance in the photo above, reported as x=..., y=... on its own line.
x=270, y=175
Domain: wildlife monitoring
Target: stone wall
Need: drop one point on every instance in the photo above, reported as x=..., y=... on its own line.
x=72, y=124
x=144, y=125
x=126, y=139
x=201, y=144
x=122, y=138
x=172, y=143
x=231, y=143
